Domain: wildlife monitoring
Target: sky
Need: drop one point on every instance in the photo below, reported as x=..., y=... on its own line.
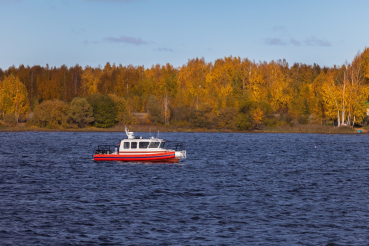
x=150, y=32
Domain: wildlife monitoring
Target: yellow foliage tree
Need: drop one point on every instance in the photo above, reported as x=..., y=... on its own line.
x=192, y=81
x=280, y=95
x=345, y=95
x=14, y=97
x=316, y=102
x=90, y=81
x=258, y=115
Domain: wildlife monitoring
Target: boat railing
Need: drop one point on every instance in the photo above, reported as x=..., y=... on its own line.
x=174, y=145
x=105, y=149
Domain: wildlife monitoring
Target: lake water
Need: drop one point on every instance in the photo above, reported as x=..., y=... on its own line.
x=233, y=189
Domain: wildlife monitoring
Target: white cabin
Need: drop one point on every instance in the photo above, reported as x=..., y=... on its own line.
x=142, y=145
x=139, y=145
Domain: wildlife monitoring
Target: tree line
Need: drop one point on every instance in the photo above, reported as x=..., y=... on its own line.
x=230, y=93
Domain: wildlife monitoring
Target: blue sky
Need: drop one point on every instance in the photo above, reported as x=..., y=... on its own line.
x=149, y=32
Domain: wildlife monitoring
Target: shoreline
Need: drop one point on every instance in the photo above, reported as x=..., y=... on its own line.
x=308, y=129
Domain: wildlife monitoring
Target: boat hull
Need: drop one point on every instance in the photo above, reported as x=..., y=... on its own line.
x=153, y=157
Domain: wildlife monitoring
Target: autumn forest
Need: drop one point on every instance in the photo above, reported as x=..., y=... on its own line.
x=231, y=93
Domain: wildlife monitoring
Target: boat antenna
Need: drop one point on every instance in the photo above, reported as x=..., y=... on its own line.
x=129, y=134
x=158, y=134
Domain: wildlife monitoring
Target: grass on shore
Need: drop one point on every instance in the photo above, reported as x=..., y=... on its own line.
x=321, y=129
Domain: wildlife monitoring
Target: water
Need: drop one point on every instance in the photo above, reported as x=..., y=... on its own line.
x=253, y=189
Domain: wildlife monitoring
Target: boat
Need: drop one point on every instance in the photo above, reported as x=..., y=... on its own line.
x=138, y=149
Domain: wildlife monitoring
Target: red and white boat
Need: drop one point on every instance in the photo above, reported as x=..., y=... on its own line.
x=134, y=149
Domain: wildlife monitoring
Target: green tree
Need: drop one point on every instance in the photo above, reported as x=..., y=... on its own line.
x=123, y=114
x=105, y=110
x=154, y=110
x=244, y=122
x=251, y=114
x=10, y=119
x=51, y=114
x=244, y=119
x=226, y=118
x=80, y=112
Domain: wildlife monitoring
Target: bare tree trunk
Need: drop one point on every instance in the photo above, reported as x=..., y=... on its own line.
x=338, y=118
x=353, y=123
x=343, y=101
x=343, y=110
x=166, y=108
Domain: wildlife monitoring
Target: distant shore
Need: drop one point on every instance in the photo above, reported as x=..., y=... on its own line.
x=319, y=129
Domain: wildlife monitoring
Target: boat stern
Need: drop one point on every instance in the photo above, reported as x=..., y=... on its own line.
x=181, y=154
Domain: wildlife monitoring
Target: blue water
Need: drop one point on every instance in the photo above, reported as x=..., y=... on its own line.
x=233, y=189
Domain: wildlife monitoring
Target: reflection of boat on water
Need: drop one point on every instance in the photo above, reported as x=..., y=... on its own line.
x=142, y=149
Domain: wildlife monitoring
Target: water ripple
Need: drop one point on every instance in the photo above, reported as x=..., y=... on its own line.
x=259, y=189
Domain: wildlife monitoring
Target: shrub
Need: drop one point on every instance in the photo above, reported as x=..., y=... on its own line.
x=123, y=114
x=227, y=118
x=285, y=119
x=181, y=114
x=2, y=123
x=10, y=119
x=303, y=119
x=104, y=110
x=154, y=110
x=253, y=114
x=200, y=119
x=51, y=114
x=243, y=122
x=80, y=112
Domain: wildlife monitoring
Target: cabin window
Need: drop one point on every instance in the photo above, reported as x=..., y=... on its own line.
x=126, y=145
x=134, y=145
x=154, y=144
x=143, y=145
x=162, y=145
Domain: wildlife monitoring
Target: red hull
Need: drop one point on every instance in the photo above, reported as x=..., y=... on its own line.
x=157, y=157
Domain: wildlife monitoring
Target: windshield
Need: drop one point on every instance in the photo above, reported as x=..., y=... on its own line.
x=143, y=145
x=154, y=144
